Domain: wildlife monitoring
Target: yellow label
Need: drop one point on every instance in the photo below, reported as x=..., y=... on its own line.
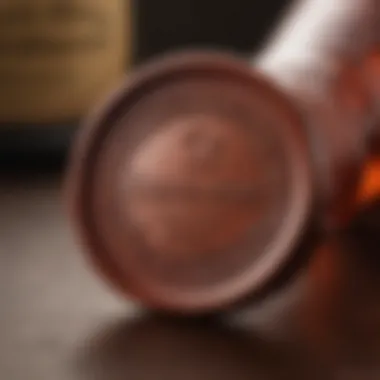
x=59, y=57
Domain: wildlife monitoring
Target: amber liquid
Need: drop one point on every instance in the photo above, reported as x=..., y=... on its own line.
x=369, y=187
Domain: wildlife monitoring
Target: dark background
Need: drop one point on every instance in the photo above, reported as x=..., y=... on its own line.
x=235, y=25
x=160, y=26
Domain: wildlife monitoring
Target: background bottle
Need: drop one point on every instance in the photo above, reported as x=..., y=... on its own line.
x=58, y=58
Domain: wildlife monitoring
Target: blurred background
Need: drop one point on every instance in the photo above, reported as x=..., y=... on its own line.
x=58, y=320
x=59, y=58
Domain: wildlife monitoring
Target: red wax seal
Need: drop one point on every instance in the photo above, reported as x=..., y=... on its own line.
x=191, y=187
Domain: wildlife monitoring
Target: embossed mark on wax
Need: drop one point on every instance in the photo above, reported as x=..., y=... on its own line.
x=195, y=187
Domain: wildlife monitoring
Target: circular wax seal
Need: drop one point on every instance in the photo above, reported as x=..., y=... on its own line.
x=191, y=186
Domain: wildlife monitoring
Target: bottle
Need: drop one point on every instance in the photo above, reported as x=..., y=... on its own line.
x=203, y=182
x=58, y=58
x=337, y=316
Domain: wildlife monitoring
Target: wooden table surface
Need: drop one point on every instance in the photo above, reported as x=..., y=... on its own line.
x=59, y=321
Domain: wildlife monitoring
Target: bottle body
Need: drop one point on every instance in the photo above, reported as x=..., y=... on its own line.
x=216, y=170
